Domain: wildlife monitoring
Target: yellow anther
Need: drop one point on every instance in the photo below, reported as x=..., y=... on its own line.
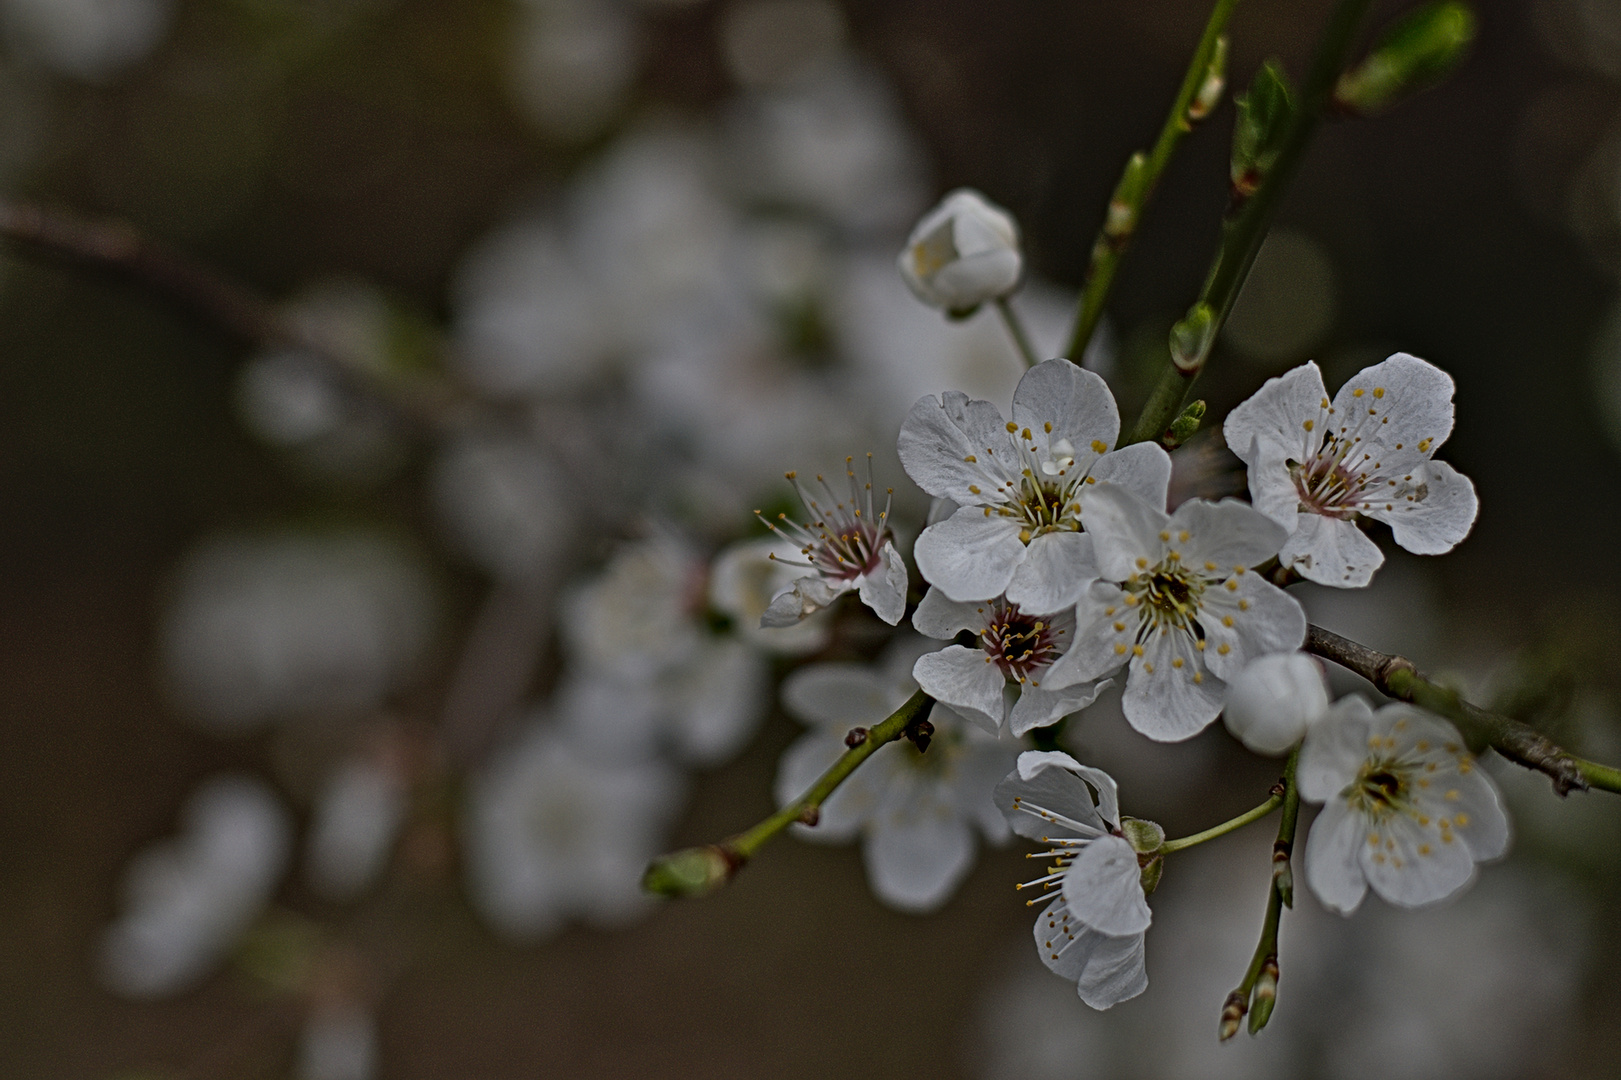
x=1047, y=427
x=1120, y=627
x=1011, y=426
x=1307, y=425
x=1099, y=446
x=1460, y=820
x=1165, y=538
x=973, y=489
x=1232, y=585
x=1182, y=537
x=1226, y=620
x=1243, y=605
x=1423, y=849
x=1198, y=676
x=1176, y=662
x=1358, y=392
x=1378, y=391
x=1025, y=435
x=1120, y=650
x=1210, y=566
x=1136, y=650
x=1424, y=445
x=1149, y=668
x=1452, y=795
x=971, y=459
x=1142, y=563
x=1224, y=648
x=1200, y=644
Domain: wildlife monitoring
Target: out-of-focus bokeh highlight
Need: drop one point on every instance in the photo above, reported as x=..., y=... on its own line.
x=336, y=736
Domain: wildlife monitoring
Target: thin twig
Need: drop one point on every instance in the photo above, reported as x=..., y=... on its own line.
x=1398, y=677
x=1258, y=990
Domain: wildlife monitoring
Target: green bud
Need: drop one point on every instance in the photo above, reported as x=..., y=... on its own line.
x=1417, y=52
x=1185, y=426
x=691, y=872
x=1127, y=201
x=1215, y=81
x=1145, y=837
x=1263, y=120
x=1266, y=995
x=1192, y=338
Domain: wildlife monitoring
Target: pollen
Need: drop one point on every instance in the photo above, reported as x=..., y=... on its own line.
x=971, y=459
x=1226, y=620
x=1224, y=648
x=1378, y=391
x=1423, y=849
x=1307, y=425
x=1460, y=820
x=1142, y=564
x=1424, y=445
x=1165, y=538
x=1243, y=605
x=1136, y=650
x=1176, y=662
x=1047, y=427
x=1358, y=392
x=1452, y=795
x=973, y=489
x=1182, y=537
x=1120, y=650
x=1198, y=676
x=1119, y=626
x=1232, y=585
x=1012, y=427
x=1149, y=668
x=1099, y=446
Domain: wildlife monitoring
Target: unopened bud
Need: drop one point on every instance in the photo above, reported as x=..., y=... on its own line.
x=1127, y=201
x=1215, y=81
x=855, y=737
x=1185, y=426
x=1264, y=113
x=1283, y=878
x=1417, y=52
x=920, y=732
x=1192, y=338
x=1273, y=700
x=962, y=253
x=1232, y=1014
x=691, y=872
x=1266, y=995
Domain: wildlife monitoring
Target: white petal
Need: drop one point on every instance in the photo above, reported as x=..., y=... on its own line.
x=1411, y=866
x=804, y=598
x=884, y=590
x=1228, y=533
x=1334, y=749
x=1040, y=707
x=1271, y=423
x=1115, y=972
x=1331, y=551
x=981, y=768
x=1103, y=888
x=917, y=853
x=1272, y=488
x=970, y=556
x=974, y=279
x=1124, y=528
x=939, y=437
x=1272, y=702
x=842, y=695
x=1076, y=402
x=1098, y=648
x=720, y=698
x=965, y=680
x=1254, y=619
x=942, y=618
x=1332, y=848
x=1057, y=568
x=1144, y=469
x=1048, y=795
x=1436, y=523
x=1168, y=701
x=1413, y=395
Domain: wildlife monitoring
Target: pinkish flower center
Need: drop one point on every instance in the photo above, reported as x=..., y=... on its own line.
x=1024, y=645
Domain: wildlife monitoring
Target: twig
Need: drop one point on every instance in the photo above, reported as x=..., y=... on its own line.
x=700, y=870
x=1015, y=329
x=1398, y=677
x=234, y=306
x=1200, y=90
x=1259, y=988
x=1247, y=220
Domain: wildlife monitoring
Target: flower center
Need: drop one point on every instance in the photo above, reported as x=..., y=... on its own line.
x=1022, y=645
x=1326, y=486
x=843, y=538
x=1168, y=595
x=1381, y=789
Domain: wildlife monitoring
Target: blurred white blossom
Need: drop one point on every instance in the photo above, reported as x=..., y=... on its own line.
x=506, y=503
x=338, y=1042
x=87, y=39
x=188, y=899
x=572, y=64
x=358, y=814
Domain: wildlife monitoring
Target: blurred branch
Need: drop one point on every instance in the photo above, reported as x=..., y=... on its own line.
x=116, y=247
x=1201, y=89
x=1398, y=677
x=1016, y=331
x=1258, y=992
x=1245, y=226
x=700, y=870
x=497, y=665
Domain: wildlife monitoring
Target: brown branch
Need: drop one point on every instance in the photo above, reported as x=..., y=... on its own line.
x=118, y=248
x=1398, y=677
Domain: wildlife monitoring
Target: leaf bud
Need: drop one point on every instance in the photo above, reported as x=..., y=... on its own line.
x=1215, y=81
x=1417, y=52
x=1264, y=113
x=1192, y=338
x=691, y=871
x=1185, y=426
x=1127, y=201
x=1266, y=995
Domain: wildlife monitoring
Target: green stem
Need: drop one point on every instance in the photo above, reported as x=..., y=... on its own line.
x=1246, y=223
x=696, y=871
x=1280, y=896
x=1120, y=223
x=1225, y=827
x=1015, y=329
x=1398, y=677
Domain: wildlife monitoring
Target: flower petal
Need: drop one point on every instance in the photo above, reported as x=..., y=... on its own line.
x=884, y=590
x=1228, y=533
x=1245, y=618
x=1057, y=568
x=1332, y=848
x=1413, y=395
x=1144, y=469
x=918, y=849
x=966, y=680
x=1098, y=647
x=1409, y=866
x=948, y=445
x=1334, y=749
x=842, y=695
x=1039, y=707
x=1115, y=972
x=1438, y=519
x=804, y=598
x=1076, y=402
x=971, y=555
x=1051, y=794
x=1331, y=551
x=942, y=618
x=1103, y=888
x=1124, y=528
x=1170, y=695
x=1272, y=423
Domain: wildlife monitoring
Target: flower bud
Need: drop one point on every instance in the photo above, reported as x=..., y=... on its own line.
x=1264, y=113
x=964, y=252
x=1416, y=53
x=1272, y=702
x=1266, y=995
x=1185, y=426
x=690, y=872
x=1232, y=1013
x=1215, y=81
x=1192, y=338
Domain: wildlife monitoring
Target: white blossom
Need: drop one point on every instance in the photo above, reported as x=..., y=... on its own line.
x=552, y=834
x=269, y=627
x=962, y=253
x=506, y=503
x=187, y=900
x=358, y=814
x=1407, y=810
x=1272, y=702
x=915, y=812
x=1178, y=605
x=88, y=39
x=847, y=546
x=572, y=63
x=338, y=1042
x=1316, y=467
x=1017, y=485
x=1096, y=917
x=745, y=581
x=1001, y=681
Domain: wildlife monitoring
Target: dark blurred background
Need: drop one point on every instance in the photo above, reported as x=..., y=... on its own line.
x=291, y=141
